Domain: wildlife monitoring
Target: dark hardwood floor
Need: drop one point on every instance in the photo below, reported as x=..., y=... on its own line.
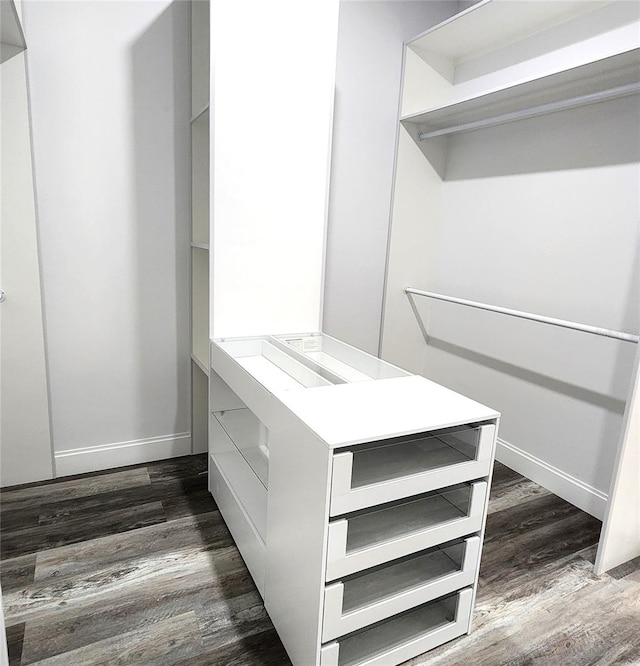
x=136, y=566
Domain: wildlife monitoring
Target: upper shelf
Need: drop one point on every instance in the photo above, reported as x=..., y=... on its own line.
x=501, y=61
x=492, y=24
x=609, y=78
x=13, y=41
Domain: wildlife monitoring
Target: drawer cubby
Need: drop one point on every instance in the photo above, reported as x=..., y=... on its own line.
x=272, y=367
x=345, y=363
x=405, y=636
x=369, y=538
x=376, y=594
x=382, y=472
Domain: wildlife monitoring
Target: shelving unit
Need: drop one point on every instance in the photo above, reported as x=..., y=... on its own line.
x=199, y=223
x=375, y=534
x=355, y=491
x=516, y=184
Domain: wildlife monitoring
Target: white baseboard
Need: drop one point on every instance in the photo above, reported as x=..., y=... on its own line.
x=120, y=454
x=578, y=493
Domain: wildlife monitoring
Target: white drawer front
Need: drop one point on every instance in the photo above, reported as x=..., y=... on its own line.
x=404, y=584
x=242, y=529
x=402, y=638
x=376, y=474
x=366, y=540
x=247, y=487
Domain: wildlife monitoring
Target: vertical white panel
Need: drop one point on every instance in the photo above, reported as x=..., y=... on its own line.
x=25, y=438
x=620, y=538
x=368, y=75
x=272, y=93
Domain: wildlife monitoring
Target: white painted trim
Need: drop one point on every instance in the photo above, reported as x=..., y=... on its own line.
x=577, y=492
x=119, y=454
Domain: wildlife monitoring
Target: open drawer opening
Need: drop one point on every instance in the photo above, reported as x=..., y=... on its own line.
x=368, y=538
x=272, y=367
x=250, y=436
x=404, y=636
x=380, y=592
x=381, y=472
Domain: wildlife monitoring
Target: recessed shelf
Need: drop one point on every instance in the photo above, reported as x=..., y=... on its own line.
x=250, y=437
x=491, y=24
x=200, y=246
x=609, y=78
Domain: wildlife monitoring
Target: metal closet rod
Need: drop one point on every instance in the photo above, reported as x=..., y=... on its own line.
x=563, y=323
x=591, y=98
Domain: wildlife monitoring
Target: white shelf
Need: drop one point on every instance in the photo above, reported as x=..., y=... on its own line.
x=201, y=246
x=492, y=24
x=250, y=437
x=609, y=78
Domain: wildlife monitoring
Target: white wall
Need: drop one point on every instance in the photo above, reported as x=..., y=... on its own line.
x=110, y=104
x=370, y=43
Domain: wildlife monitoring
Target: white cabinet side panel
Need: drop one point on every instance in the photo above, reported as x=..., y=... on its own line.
x=299, y=474
x=620, y=538
x=411, y=253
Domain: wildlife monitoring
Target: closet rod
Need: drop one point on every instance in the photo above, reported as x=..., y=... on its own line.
x=591, y=98
x=595, y=330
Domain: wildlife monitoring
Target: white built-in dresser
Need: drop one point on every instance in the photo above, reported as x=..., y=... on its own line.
x=356, y=493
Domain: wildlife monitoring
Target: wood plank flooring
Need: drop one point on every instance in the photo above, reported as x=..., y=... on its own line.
x=136, y=566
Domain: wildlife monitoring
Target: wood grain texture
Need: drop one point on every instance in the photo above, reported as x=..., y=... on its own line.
x=177, y=591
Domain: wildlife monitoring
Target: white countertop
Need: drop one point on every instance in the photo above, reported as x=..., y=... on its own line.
x=364, y=411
